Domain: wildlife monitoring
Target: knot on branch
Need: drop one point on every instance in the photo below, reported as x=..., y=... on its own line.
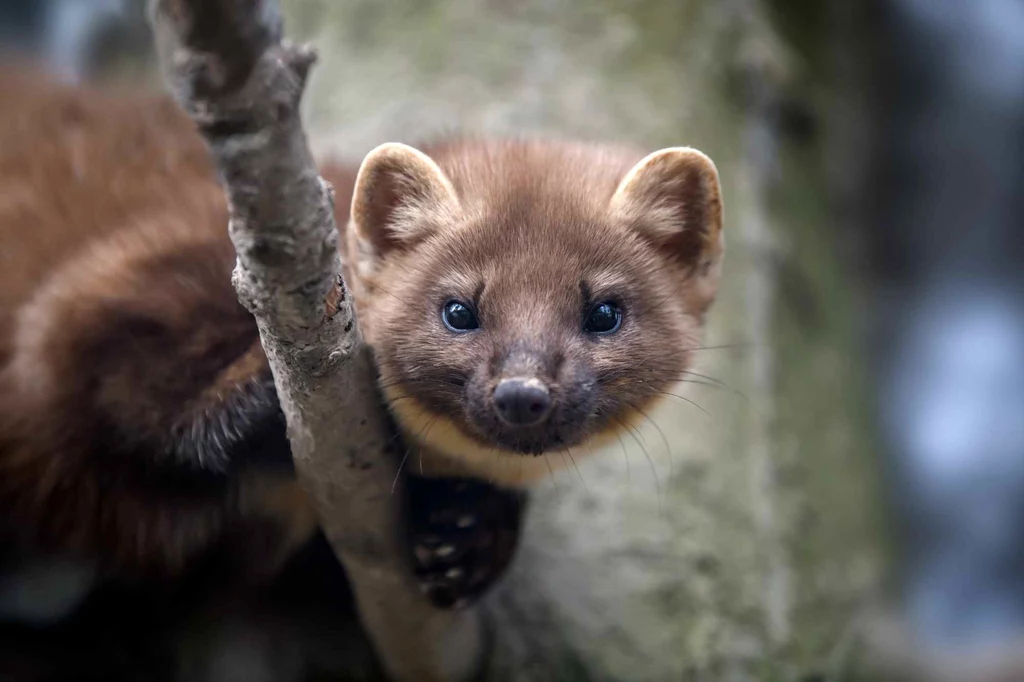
x=335, y=299
x=228, y=65
x=270, y=94
x=237, y=31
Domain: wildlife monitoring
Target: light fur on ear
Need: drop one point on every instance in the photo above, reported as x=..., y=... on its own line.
x=396, y=188
x=673, y=197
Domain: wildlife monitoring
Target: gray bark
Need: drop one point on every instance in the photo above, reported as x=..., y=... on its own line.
x=229, y=67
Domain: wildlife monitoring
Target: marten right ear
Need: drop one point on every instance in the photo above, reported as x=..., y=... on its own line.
x=674, y=198
x=400, y=197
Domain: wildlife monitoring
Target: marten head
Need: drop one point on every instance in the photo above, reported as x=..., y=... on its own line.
x=525, y=297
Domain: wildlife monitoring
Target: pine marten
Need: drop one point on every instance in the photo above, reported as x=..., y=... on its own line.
x=522, y=298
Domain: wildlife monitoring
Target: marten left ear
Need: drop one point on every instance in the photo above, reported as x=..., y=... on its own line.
x=400, y=196
x=672, y=197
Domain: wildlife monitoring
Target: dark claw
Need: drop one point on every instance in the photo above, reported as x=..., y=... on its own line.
x=464, y=535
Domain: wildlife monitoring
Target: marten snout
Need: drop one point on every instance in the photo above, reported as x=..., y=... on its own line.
x=522, y=401
x=529, y=396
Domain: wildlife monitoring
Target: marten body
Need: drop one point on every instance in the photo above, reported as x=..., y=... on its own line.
x=133, y=386
x=522, y=298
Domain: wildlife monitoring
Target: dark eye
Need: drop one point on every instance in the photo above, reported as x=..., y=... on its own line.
x=603, y=318
x=458, y=317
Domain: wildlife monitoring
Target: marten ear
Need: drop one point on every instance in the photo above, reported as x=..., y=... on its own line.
x=400, y=196
x=673, y=198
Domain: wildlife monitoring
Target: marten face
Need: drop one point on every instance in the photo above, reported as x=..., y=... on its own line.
x=518, y=308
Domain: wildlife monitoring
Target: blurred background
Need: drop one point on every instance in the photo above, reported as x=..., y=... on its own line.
x=851, y=504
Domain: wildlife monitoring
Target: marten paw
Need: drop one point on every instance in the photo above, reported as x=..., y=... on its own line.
x=464, y=533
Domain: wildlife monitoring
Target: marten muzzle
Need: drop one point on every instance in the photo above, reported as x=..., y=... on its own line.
x=522, y=401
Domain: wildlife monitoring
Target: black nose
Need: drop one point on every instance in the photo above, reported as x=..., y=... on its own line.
x=522, y=402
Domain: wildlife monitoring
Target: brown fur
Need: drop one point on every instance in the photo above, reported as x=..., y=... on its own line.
x=121, y=338
x=134, y=394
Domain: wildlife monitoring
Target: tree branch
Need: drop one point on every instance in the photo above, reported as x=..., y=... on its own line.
x=228, y=66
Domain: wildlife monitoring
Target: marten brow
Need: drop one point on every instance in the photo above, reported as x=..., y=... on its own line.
x=478, y=293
